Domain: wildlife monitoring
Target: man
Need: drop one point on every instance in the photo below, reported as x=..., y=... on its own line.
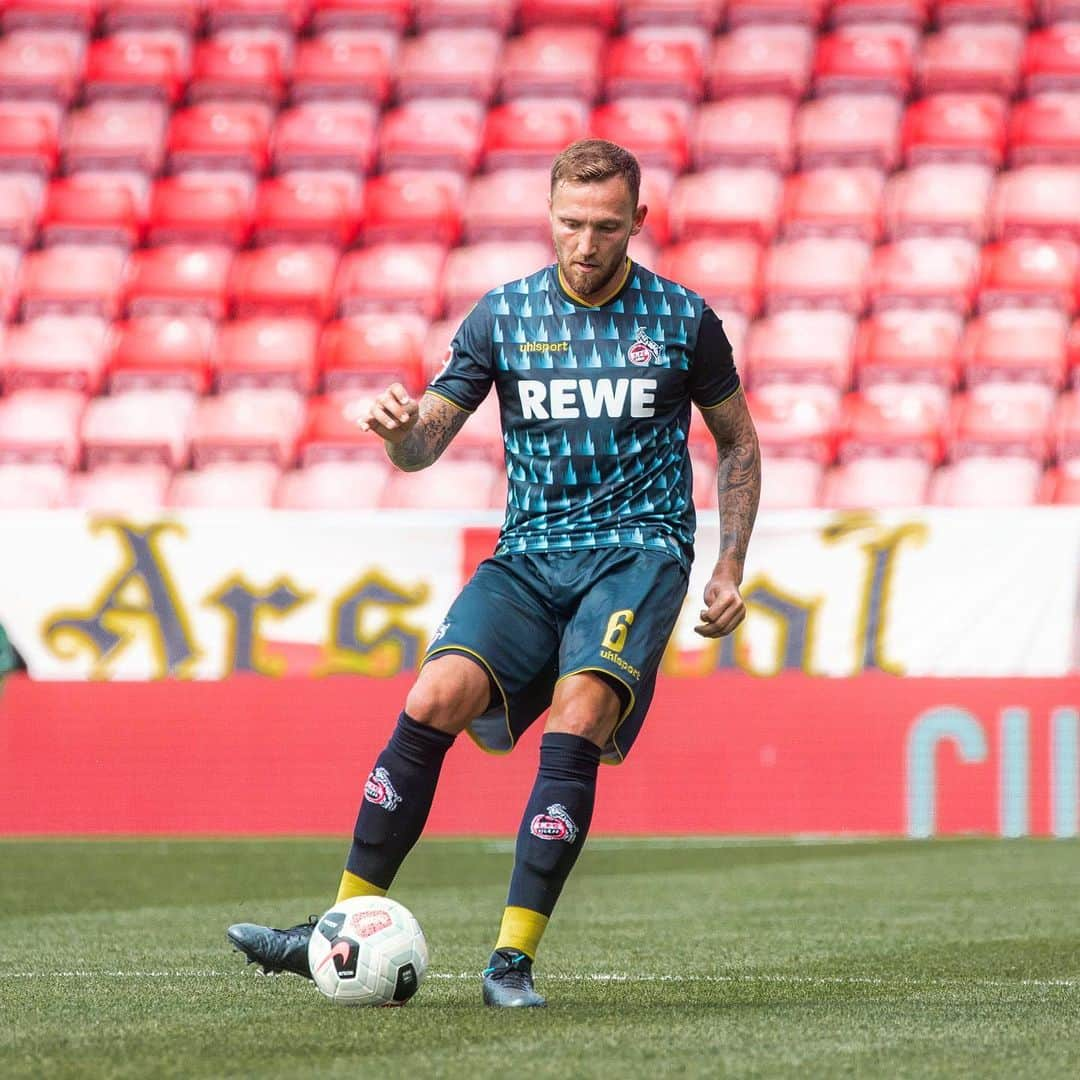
x=595, y=361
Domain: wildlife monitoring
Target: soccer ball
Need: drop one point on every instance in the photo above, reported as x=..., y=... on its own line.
x=368, y=951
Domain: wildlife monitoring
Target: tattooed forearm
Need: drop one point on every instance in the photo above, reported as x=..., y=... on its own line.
x=438, y=423
x=738, y=478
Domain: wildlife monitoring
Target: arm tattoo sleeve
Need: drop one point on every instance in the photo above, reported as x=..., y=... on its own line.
x=439, y=422
x=738, y=478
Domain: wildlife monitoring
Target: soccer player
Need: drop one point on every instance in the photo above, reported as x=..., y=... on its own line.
x=595, y=361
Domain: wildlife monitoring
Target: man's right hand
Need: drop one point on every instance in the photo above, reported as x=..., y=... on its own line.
x=392, y=415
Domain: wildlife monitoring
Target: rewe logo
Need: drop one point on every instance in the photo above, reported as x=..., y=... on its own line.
x=565, y=399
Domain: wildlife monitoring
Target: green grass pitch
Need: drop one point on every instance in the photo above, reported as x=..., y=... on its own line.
x=666, y=958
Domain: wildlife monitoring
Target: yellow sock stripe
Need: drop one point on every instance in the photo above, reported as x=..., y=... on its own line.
x=522, y=929
x=353, y=885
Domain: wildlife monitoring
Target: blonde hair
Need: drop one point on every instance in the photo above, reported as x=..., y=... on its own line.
x=590, y=160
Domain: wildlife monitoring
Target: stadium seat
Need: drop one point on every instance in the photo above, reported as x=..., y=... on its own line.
x=74, y=16
x=393, y=278
x=188, y=210
x=161, y=352
x=848, y=129
x=37, y=69
x=180, y=16
x=924, y=272
x=808, y=13
x=226, y=485
x=726, y=202
x=789, y=483
x=509, y=204
x=236, y=70
x=115, y=134
x=816, y=272
x=55, y=351
x=41, y=426
x=801, y=346
x=1037, y=200
x=28, y=140
x=890, y=426
x=72, y=279
x=1016, y=345
x=364, y=15
x=655, y=130
x=342, y=136
x=438, y=134
x=1066, y=432
x=413, y=206
x=550, y=62
x=529, y=134
x=755, y=60
x=955, y=127
x=973, y=12
x=449, y=63
x=435, y=350
x=876, y=483
x=496, y=14
x=475, y=268
x=907, y=346
x=336, y=68
x=301, y=210
x=219, y=135
x=372, y=351
x=863, y=59
x=726, y=272
x=704, y=14
x=1000, y=424
x=938, y=200
x=1052, y=59
x=1028, y=271
x=284, y=279
x=651, y=67
x=88, y=211
x=833, y=202
x=185, y=279
x=267, y=350
x=969, y=58
x=793, y=421
x=600, y=13
x=331, y=432
x=18, y=214
x=138, y=426
x=33, y=487
x=987, y=482
x=121, y=67
x=1045, y=130
x=334, y=485
x=754, y=131
x=286, y=16
x=452, y=484
x=120, y=488
x=248, y=424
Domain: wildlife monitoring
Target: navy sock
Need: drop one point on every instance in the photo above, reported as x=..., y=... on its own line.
x=397, y=800
x=556, y=821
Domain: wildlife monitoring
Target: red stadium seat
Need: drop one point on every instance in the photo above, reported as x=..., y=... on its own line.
x=790, y=483
x=1066, y=432
x=89, y=212
x=876, y=483
x=987, y=482
x=1045, y=129
x=955, y=127
x=848, y=129
x=833, y=202
x=73, y=279
x=908, y=346
x=392, y=277
x=601, y=13
x=911, y=12
x=1037, y=200
x=412, y=206
x=284, y=15
x=267, y=350
x=435, y=350
x=235, y=71
x=373, y=351
x=111, y=134
x=440, y=134
x=193, y=210
x=704, y=14
x=807, y=12
x=938, y=200
x=334, y=485
x=756, y=60
x=120, y=488
x=983, y=11
x=497, y=14
x=389, y=15
x=801, y=346
x=794, y=421
x=654, y=130
x=745, y=131
x=119, y=67
x=474, y=269
x=890, y=426
x=226, y=135
x=1016, y=345
x=529, y=134
x=453, y=484
x=552, y=61
x=726, y=272
x=510, y=204
x=332, y=433
x=971, y=59
x=55, y=351
x=33, y=487
x=248, y=424
x=10, y=257
x=448, y=63
x=181, y=16
x=341, y=136
x=76, y=16
x=816, y=272
x=41, y=426
x=179, y=279
x=284, y=279
x=37, y=69
x=1028, y=271
x=301, y=211
x=726, y=202
x=138, y=426
x=925, y=272
x=226, y=485
x=161, y=352
x=863, y=60
x=339, y=69
x=635, y=67
x=1052, y=59
x=1003, y=424
x=28, y=139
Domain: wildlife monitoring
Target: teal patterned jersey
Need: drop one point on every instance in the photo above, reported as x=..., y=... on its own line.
x=595, y=405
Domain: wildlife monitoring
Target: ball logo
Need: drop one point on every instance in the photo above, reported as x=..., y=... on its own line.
x=366, y=923
x=644, y=351
x=380, y=791
x=556, y=824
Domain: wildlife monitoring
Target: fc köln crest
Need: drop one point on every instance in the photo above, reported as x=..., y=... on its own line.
x=644, y=351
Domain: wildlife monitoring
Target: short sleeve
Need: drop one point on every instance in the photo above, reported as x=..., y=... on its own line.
x=467, y=374
x=713, y=377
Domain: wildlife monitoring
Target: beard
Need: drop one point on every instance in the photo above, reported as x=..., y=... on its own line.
x=595, y=281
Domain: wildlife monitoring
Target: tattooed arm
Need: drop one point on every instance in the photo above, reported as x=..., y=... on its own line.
x=738, y=484
x=415, y=433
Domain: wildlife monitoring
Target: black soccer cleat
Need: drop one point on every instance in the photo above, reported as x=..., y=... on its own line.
x=274, y=950
x=508, y=981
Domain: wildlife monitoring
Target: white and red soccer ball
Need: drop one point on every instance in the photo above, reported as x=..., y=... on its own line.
x=368, y=951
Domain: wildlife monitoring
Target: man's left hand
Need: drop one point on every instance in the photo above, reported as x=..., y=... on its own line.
x=724, y=608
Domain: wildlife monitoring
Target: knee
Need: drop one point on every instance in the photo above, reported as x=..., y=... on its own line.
x=441, y=701
x=590, y=709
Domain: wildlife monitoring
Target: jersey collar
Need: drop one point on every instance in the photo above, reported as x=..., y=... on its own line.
x=616, y=288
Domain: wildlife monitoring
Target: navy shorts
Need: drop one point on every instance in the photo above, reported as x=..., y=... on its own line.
x=533, y=619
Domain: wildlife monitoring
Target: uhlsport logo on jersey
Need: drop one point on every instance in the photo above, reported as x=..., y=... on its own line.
x=556, y=824
x=380, y=791
x=644, y=351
